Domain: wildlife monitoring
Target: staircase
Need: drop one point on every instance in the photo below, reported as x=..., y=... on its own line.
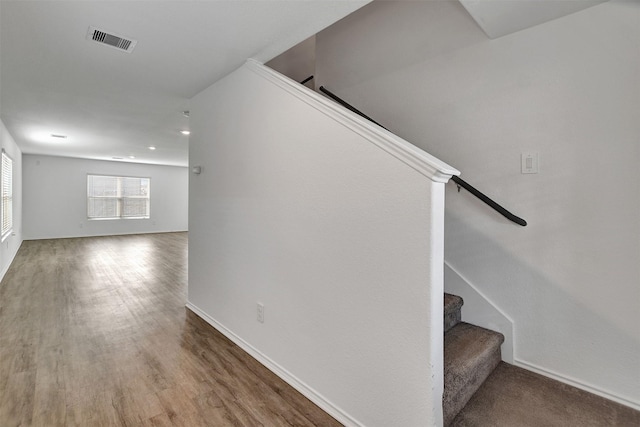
x=471, y=353
x=480, y=390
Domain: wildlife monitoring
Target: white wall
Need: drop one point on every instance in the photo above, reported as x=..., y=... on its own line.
x=297, y=63
x=339, y=239
x=10, y=246
x=568, y=89
x=55, y=198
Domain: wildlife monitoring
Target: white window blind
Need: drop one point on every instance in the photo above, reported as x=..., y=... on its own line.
x=112, y=197
x=7, y=195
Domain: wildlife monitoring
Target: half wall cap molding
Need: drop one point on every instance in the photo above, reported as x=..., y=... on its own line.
x=423, y=162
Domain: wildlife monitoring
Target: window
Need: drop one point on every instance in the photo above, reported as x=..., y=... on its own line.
x=7, y=195
x=114, y=197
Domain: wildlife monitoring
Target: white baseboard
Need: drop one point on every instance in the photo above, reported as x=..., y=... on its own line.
x=530, y=366
x=480, y=310
x=575, y=383
x=8, y=264
x=281, y=372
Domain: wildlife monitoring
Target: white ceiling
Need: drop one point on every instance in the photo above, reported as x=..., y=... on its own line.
x=115, y=104
x=498, y=18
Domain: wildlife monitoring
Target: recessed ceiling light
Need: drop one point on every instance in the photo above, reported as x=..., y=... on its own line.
x=132, y=157
x=185, y=132
x=54, y=135
x=186, y=113
x=151, y=147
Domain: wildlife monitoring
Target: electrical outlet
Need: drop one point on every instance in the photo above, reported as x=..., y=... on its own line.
x=260, y=312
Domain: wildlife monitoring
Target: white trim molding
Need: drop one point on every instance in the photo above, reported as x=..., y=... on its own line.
x=482, y=311
x=311, y=394
x=575, y=383
x=421, y=161
x=510, y=340
x=12, y=256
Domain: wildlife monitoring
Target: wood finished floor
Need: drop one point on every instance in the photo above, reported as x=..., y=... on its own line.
x=94, y=332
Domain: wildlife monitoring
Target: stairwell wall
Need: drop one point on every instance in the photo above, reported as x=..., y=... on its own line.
x=297, y=63
x=339, y=240
x=568, y=89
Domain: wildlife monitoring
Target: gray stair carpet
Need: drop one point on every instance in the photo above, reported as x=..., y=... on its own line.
x=471, y=353
x=452, y=313
x=480, y=390
x=515, y=397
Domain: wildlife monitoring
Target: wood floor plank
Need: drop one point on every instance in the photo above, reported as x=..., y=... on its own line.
x=180, y=409
x=212, y=409
x=134, y=406
x=16, y=407
x=158, y=421
x=50, y=405
x=94, y=408
x=94, y=332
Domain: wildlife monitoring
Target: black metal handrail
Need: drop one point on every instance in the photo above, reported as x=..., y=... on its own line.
x=306, y=80
x=348, y=106
x=459, y=181
x=502, y=211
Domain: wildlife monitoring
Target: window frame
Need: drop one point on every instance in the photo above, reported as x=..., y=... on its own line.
x=120, y=198
x=6, y=232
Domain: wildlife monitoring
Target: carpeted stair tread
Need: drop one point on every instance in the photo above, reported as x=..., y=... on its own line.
x=452, y=311
x=513, y=396
x=471, y=353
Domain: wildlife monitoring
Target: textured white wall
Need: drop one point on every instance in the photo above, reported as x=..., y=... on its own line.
x=568, y=89
x=333, y=235
x=55, y=198
x=10, y=246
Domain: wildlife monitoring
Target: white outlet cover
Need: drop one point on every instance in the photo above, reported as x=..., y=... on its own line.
x=260, y=313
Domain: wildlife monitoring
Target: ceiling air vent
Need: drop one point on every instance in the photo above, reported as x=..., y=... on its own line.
x=110, y=39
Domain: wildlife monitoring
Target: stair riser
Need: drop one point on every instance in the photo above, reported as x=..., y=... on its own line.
x=455, y=400
x=452, y=311
x=452, y=319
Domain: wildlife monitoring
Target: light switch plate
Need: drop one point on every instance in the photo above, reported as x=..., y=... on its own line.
x=530, y=162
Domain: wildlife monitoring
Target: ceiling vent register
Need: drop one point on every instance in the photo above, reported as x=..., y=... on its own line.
x=110, y=39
